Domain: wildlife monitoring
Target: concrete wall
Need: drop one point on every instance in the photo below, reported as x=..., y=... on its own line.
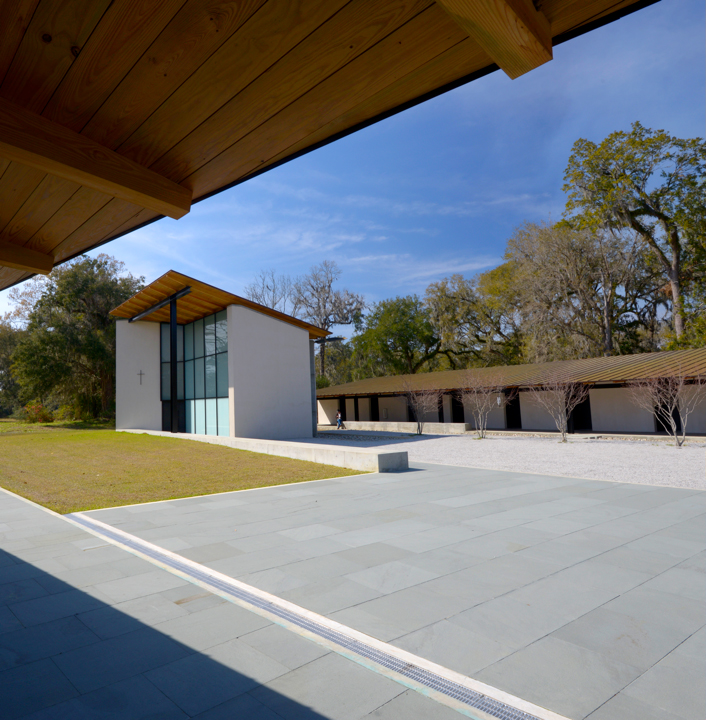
x=364, y=459
x=410, y=428
x=327, y=408
x=137, y=350
x=448, y=413
x=534, y=416
x=496, y=416
x=396, y=408
x=364, y=409
x=696, y=422
x=612, y=410
x=350, y=409
x=269, y=377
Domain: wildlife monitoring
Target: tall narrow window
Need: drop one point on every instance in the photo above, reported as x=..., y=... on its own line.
x=202, y=373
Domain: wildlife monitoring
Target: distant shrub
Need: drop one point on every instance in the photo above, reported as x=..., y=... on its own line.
x=65, y=413
x=36, y=413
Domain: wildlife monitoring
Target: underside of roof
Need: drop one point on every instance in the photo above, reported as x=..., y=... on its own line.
x=594, y=371
x=116, y=113
x=202, y=300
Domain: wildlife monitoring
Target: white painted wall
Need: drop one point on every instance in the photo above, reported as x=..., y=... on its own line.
x=612, y=410
x=696, y=422
x=446, y=404
x=396, y=408
x=496, y=416
x=363, y=409
x=137, y=349
x=327, y=411
x=533, y=415
x=268, y=375
x=431, y=416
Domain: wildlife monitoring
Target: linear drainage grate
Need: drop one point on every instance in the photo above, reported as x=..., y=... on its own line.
x=417, y=675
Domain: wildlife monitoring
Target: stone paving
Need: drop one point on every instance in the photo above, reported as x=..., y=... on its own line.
x=582, y=596
x=89, y=631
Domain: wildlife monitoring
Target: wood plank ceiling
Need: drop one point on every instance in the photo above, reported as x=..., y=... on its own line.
x=112, y=112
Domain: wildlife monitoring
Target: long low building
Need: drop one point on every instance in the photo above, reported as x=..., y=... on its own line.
x=608, y=408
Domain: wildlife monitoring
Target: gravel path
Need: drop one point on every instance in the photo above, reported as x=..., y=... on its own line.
x=633, y=461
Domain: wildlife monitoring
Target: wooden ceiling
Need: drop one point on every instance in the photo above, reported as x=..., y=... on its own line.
x=203, y=300
x=116, y=113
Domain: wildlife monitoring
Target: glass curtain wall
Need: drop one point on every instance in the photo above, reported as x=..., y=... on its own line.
x=202, y=373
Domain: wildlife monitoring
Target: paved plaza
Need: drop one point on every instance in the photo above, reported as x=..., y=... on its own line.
x=581, y=596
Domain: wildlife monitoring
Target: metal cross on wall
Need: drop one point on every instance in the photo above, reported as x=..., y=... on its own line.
x=141, y=374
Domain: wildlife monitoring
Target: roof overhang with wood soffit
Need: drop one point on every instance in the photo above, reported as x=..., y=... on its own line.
x=115, y=114
x=202, y=300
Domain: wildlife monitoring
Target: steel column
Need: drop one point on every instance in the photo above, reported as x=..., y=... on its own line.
x=173, y=384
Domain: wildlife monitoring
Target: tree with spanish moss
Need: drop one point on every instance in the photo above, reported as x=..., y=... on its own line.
x=654, y=184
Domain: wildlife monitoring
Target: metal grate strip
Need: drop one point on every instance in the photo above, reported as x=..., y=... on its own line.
x=418, y=675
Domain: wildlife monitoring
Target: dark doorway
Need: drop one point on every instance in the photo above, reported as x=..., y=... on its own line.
x=355, y=409
x=457, y=414
x=662, y=423
x=167, y=416
x=580, y=418
x=441, y=408
x=342, y=408
x=411, y=415
x=513, y=417
x=374, y=409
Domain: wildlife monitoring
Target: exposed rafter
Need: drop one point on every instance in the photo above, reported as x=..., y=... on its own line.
x=30, y=139
x=515, y=35
x=21, y=258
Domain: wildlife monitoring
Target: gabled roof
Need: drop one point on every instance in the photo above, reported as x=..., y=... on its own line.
x=601, y=370
x=201, y=301
x=114, y=114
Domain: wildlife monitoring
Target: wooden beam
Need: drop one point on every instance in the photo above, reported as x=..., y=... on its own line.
x=21, y=258
x=32, y=140
x=515, y=35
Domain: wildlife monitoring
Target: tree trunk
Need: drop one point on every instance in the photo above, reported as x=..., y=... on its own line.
x=675, y=284
x=607, y=325
x=322, y=358
x=675, y=281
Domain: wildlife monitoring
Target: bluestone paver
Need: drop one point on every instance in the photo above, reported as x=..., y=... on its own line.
x=147, y=644
x=520, y=563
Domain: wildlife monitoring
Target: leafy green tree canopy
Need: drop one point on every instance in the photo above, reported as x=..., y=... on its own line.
x=397, y=337
x=9, y=387
x=648, y=181
x=67, y=352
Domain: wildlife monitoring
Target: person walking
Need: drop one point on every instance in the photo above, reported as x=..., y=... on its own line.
x=339, y=420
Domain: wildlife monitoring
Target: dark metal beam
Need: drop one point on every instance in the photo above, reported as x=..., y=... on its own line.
x=162, y=303
x=173, y=384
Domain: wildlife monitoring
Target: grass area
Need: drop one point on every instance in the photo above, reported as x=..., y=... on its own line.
x=69, y=467
x=8, y=426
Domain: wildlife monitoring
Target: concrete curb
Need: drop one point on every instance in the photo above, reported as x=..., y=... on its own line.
x=363, y=459
x=409, y=428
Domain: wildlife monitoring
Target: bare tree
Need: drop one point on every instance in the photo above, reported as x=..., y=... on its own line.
x=481, y=399
x=671, y=398
x=422, y=402
x=273, y=291
x=322, y=305
x=560, y=397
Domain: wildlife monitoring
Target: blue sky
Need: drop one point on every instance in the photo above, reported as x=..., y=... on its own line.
x=439, y=188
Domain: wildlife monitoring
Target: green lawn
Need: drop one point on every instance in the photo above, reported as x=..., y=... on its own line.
x=73, y=466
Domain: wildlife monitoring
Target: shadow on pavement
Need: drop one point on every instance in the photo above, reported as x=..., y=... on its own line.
x=65, y=654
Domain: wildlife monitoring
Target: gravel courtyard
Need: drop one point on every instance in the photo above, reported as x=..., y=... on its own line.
x=651, y=462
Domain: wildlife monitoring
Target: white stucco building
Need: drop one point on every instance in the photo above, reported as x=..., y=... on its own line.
x=609, y=407
x=236, y=368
